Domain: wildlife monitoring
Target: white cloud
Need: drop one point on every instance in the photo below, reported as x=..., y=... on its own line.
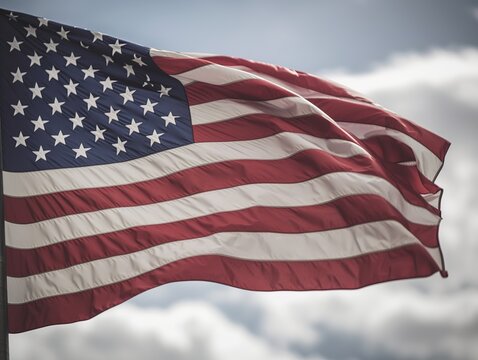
x=188, y=330
x=396, y=320
x=439, y=69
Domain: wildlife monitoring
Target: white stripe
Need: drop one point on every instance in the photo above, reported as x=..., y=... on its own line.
x=168, y=162
x=332, y=244
x=287, y=106
x=408, y=163
x=316, y=191
x=215, y=74
x=433, y=199
x=302, y=91
x=177, y=55
x=428, y=163
x=220, y=110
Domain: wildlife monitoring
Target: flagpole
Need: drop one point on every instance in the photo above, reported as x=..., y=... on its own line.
x=4, y=351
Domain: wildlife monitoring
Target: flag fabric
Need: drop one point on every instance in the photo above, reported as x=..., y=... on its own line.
x=126, y=167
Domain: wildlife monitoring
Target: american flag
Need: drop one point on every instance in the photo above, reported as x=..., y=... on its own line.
x=126, y=167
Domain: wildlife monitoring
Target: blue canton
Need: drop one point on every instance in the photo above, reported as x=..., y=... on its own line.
x=70, y=97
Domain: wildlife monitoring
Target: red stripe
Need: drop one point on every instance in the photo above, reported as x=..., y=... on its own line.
x=258, y=126
x=176, y=66
x=341, y=213
x=345, y=111
x=252, y=90
x=302, y=166
x=351, y=273
x=388, y=149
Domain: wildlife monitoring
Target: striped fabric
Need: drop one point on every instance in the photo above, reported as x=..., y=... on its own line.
x=291, y=183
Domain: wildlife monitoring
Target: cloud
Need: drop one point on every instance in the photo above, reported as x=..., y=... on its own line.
x=428, y=318
x=187, y=330
x=436, y=68
x=389, y=321
x=474, y=12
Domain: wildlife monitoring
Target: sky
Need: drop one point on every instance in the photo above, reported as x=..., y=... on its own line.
x=418, y=58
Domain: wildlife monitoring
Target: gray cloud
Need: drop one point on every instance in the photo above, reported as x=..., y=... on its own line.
x=186, y=330
x=317, y=34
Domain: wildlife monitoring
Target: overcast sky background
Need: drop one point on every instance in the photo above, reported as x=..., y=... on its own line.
x=416, y=57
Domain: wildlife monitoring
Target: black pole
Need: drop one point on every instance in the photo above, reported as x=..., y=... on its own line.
x=4, y=352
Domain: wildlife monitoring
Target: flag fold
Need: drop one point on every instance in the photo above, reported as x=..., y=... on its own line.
x=126, y=167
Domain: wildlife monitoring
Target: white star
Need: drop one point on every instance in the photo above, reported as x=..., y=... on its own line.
x=107, y=59
x=138, y=60
x=39, y=123
x=170, y=119
x=127, y=95
x=60, y=138
x=154, y=138
x=63, y=33
x=53, y=73
x=133, y=127
x=129, y=70
x=146, y=83
x=51, y=46
x=81, y=151
x=41, y=154
x=90, y=72
x=18, y=76
x=14, y=44
x=107, y=84
x=119, y=146
x=42, y=22
x=20, y=140
x=77, y=120
x=164, y=91
x=91, y=101
x=83, y=45
x=35, y=59
x=12, y=16
x=71, y=88
x=19, y=108
x=36, y=91
x=71, y=60
x=148, y=107
x=112, y=115
x=56, y=106
x=31, y=31
x=97, y=36
x=98, y=133
x=116, y=47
